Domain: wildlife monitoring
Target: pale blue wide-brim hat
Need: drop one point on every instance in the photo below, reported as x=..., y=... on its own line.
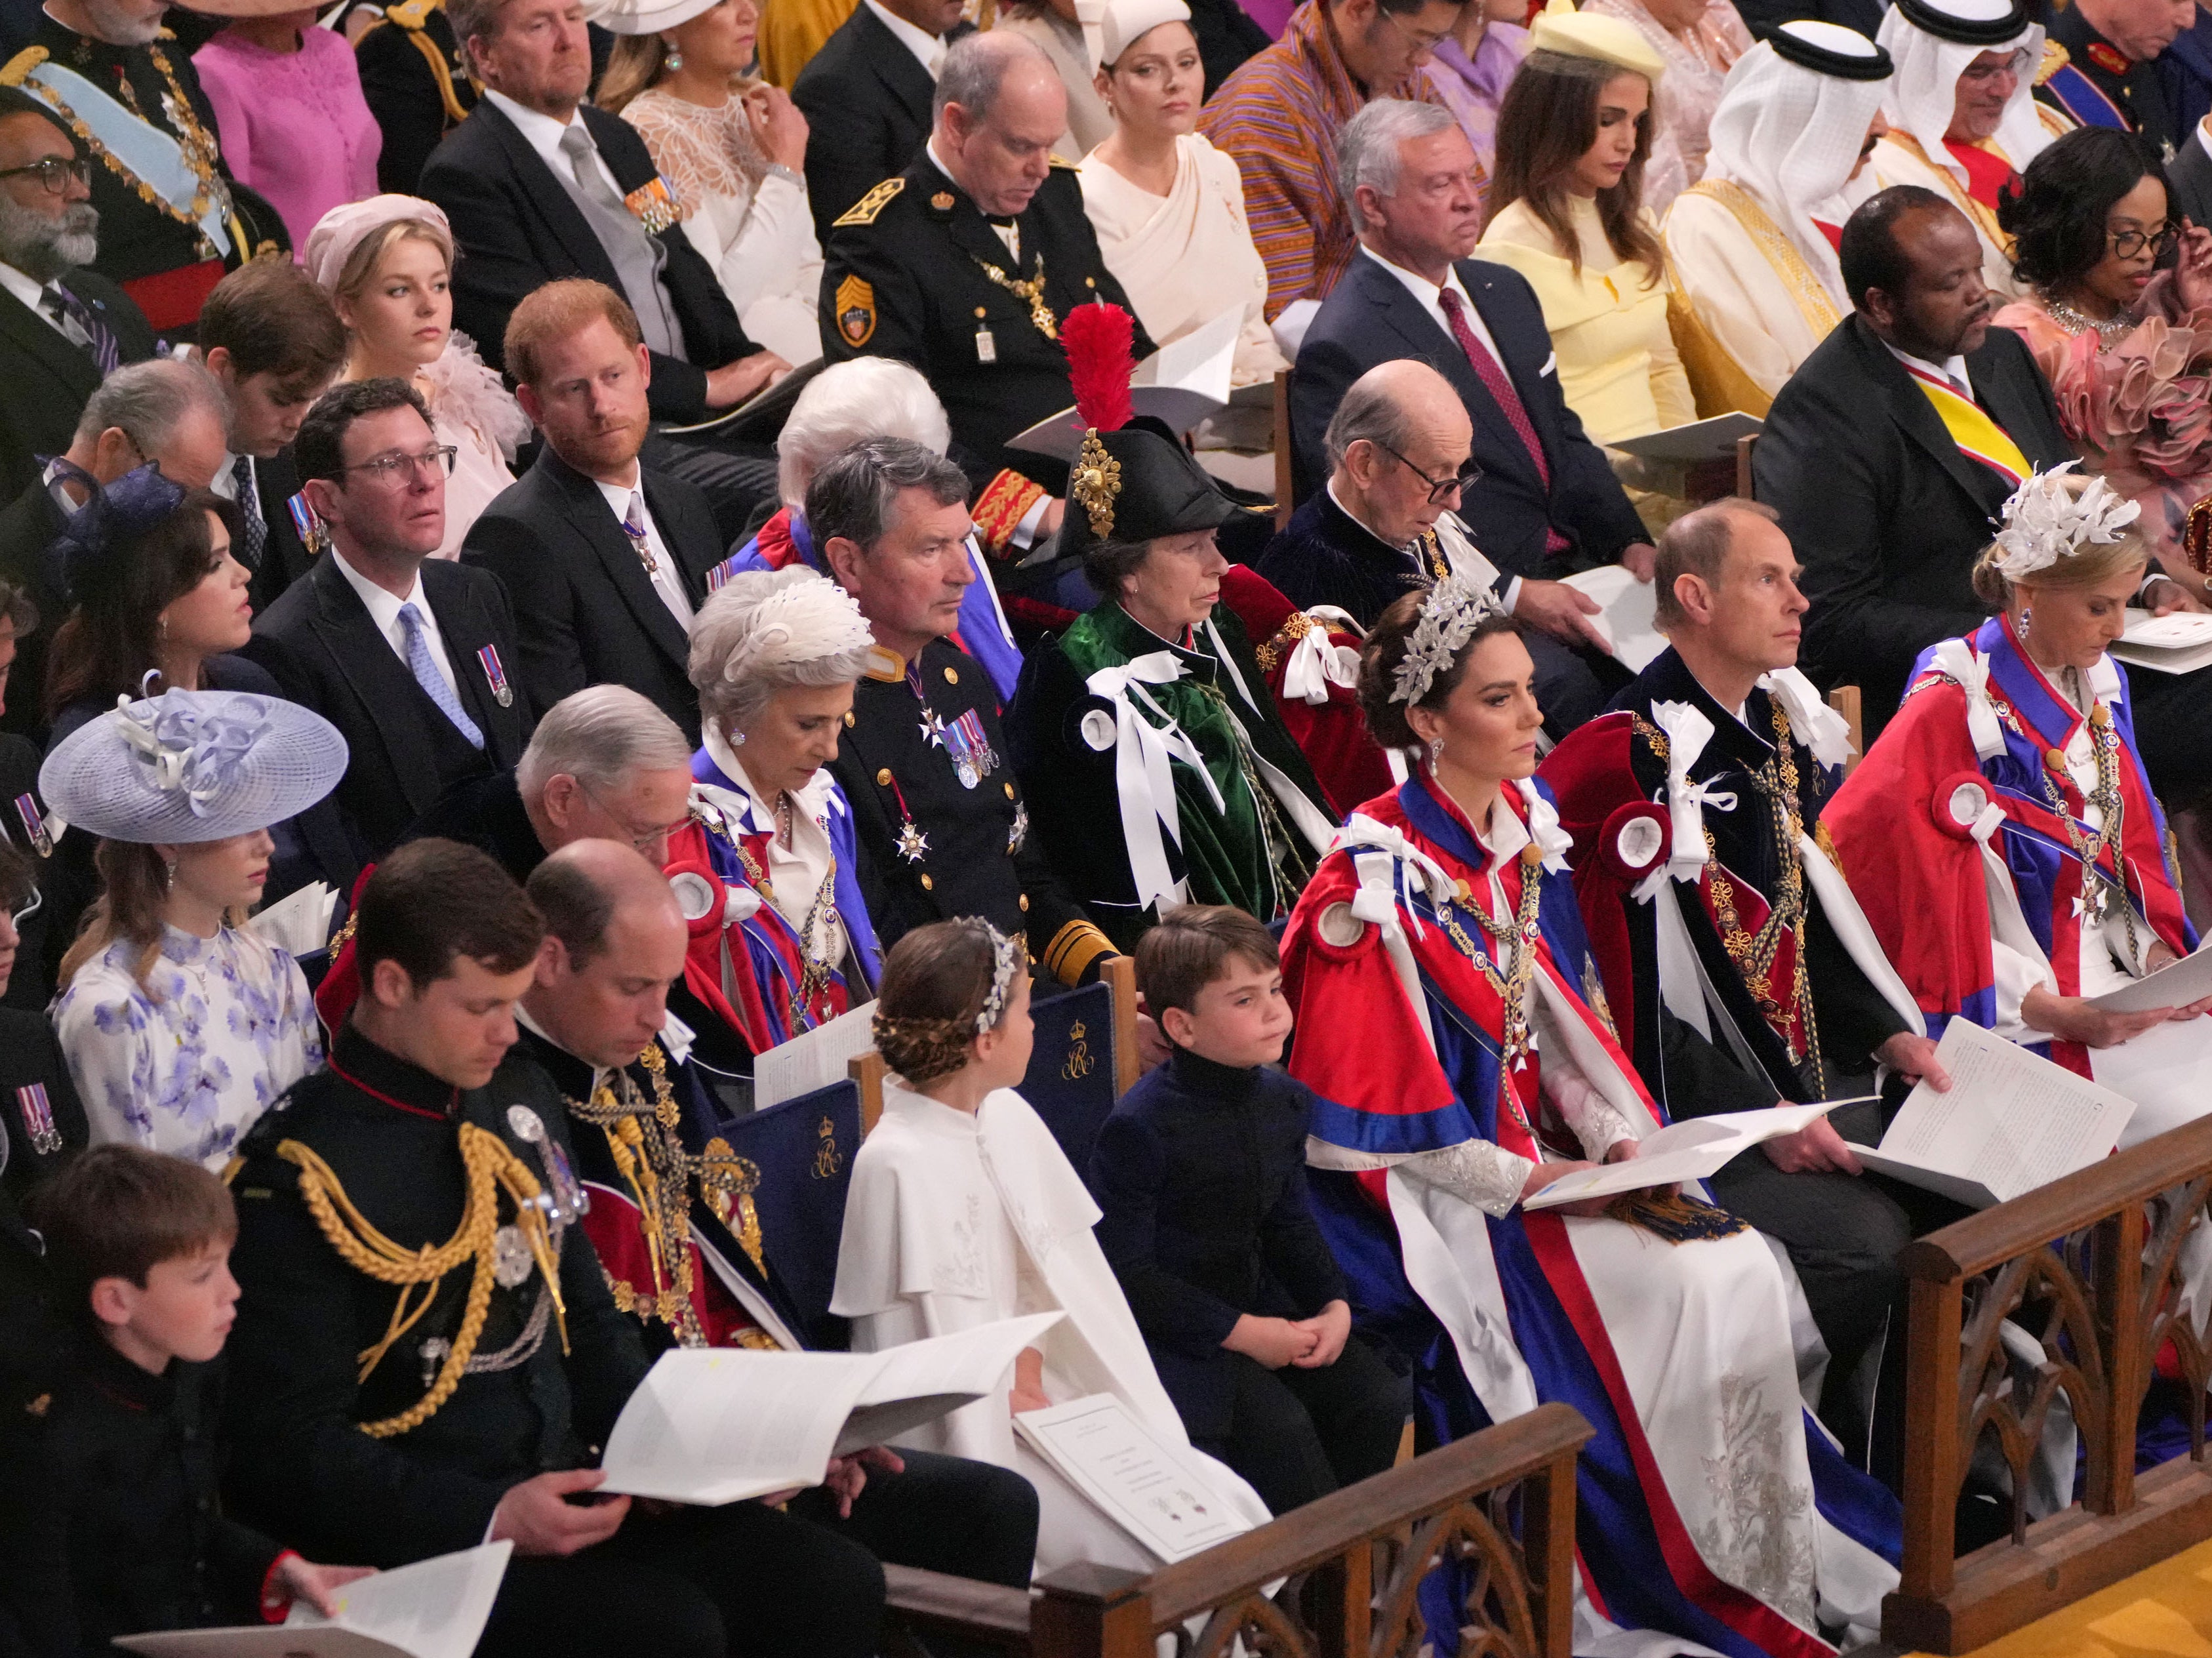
x=191, y=766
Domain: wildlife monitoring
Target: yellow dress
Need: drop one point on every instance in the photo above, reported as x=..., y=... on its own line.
x=793, y=31
x=1618, y=367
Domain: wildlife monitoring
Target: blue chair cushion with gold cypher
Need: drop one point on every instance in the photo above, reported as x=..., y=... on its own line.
x=805, y=1149
x=1070, y=1083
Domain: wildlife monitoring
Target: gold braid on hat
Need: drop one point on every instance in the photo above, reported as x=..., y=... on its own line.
x=489, y=1166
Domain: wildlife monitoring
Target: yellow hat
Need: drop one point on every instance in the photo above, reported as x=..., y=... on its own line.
x=1561, y=27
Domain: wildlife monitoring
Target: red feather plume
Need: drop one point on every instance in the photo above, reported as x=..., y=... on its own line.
x=1100, y=343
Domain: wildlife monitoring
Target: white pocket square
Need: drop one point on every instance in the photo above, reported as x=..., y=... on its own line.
x=1550, y=363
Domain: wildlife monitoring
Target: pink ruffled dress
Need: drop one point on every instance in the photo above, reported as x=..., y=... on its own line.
x=472, y=408
x=2138, y=409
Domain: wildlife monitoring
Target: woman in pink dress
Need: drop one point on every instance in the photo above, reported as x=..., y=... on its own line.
x=387, y=264
x=290, y=116
x=2126, y=347
x=1699, y=42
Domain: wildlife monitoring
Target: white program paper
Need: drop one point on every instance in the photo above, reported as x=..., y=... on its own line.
x=2177, y=643
x=2175, y=985
x=2010, y=1122
x=299, y=922
x=1686, y=1150
x=1143, y=1486
x=814, y=1059
x=2166, y=1071
x=714, y=1425
x=1628, y=614
x=434, y=1608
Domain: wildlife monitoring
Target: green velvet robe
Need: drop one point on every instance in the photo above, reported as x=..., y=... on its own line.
x=1255, y=851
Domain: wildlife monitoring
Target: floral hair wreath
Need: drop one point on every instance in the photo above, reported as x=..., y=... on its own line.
x=923, y=1049
x=2044, y=521
x=1452, y=610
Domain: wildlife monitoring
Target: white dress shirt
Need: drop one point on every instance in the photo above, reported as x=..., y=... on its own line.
x=928, y=49
x=543, y=134
x=384, y=611
x=1954, y=370
x=1426, y=291
x=665, y=578
x=31, y=293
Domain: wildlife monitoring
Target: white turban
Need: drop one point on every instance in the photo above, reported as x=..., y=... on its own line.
x=1790, y=135
x=1924, y=95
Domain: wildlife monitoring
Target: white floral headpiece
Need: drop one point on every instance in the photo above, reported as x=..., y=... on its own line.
x=2044, y=521
x=1005, y=967
x=1454, y=607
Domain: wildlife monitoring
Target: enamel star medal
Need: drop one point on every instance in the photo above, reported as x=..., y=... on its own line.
x=913, y=844
x=933, y=728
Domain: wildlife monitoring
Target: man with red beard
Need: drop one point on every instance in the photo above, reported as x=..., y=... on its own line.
x=605, y=561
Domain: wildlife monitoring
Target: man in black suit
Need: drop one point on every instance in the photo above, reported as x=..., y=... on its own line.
x=407, y=655
x=870, y=88
x=939, y=265
x=63, y=325
x=1546, y=503
x=1885, y=508
x=540, y=188
x=273, y=341
x=1878, y=493
x=2189, y=175
x=165, y=411
x=604, y=561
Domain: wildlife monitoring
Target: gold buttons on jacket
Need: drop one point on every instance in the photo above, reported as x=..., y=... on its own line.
x=928, y=885
x=1009, y=788
x=849, y=721
x=951, y=678
x=884, y=778
x=1025, y=903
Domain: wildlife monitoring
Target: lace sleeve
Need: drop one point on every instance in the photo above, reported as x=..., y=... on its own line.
x=1475, y=1171
x=1589, y=1113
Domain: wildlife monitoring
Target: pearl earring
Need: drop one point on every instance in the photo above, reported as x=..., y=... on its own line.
x=1436, y=753
x=675, y=60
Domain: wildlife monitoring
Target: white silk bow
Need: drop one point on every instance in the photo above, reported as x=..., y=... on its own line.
x=1812, y=721
x=1315, y=664
x=1956, y=659
x=1687, y=730
x=1143, y=781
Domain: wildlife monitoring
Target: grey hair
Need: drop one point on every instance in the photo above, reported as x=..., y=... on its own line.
x=1368, y=414
x=766, y=631
x=149, y=400
x=1367, y=150
x=976, y=67
x=866, y=398
x=598, y=735
x=854, y=493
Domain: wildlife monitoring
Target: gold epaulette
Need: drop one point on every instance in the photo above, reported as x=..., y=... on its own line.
x=410, y=15
x=18, y=68
x=2055, y=59
x=164, y=34
x=864, y=210
x=1064, y=164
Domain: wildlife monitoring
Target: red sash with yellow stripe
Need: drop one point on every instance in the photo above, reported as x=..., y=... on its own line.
x=1978, y=437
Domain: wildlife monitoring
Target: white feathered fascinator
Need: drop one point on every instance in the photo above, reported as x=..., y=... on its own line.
x=1454, y=607
x=761, y=620
x=2045, y=521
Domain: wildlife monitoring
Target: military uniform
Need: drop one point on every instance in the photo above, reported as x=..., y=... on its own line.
x=915, y=271
x=941, y=818
x=167, y=234
x=397, y=1465
x=2097, y=84
x=416, y=80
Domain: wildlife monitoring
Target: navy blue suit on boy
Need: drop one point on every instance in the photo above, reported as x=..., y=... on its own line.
x=1200, y=1175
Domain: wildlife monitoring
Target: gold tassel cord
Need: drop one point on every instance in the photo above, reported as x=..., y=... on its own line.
x=489, y=1165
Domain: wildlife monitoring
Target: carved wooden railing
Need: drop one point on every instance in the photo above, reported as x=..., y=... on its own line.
x=1499, y=1504
x=2088, y=1267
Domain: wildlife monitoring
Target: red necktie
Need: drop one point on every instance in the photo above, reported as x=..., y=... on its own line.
x=1500, y=387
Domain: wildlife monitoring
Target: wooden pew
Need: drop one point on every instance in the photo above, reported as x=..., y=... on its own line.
x=2089, y=1269
x=1502, y=1501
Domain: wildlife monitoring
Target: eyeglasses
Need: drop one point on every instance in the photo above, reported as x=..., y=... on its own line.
x=1440, y=489
x=1421, y=43
x=54, y=173
x=2126, y=244
x=22, y=910
x=2014, y=64
x=391, y=470
x=645, y=840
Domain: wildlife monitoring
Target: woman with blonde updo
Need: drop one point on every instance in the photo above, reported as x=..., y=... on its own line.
x=2002, y=834
x=767, y=870
x=387, y=263
x=964, y=1210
